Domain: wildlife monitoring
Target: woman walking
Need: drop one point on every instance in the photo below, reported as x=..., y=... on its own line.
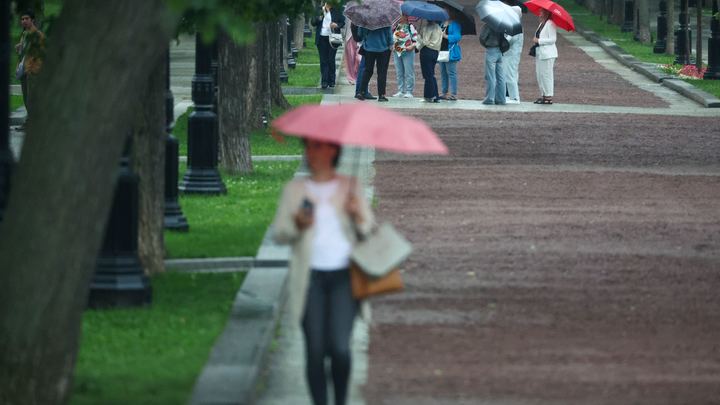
x=546, y=53
x=429, y=41
x=320, y=216
x=330, y=20
x=448, y=70
x=405, y=40
x=377, y=44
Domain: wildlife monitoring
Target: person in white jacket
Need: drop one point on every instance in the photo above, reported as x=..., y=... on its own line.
x=546, y=53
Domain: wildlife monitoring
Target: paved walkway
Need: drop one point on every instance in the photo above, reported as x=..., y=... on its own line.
x=593, y=89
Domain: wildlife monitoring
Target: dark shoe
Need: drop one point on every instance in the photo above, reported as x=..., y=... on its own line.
x=369, y=96
x=359, y=97
x=324, y=85
x=488, y=102
x=435, y=100
x=543, y=100
x=382, y=99
x=331, y=85
x=443, y=97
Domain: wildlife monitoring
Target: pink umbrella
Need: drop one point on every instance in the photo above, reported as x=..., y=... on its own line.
x=360, y=124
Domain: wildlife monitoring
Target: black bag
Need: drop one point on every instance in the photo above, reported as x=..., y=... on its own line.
x=533, y=49
x=504, y=44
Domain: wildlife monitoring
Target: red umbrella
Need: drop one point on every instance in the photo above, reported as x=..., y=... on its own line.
x=559, y=15
x=361, y=124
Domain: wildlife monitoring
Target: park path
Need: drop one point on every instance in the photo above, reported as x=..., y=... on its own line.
x=565, y=254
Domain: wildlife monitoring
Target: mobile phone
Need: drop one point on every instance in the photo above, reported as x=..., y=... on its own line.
x=307, y=206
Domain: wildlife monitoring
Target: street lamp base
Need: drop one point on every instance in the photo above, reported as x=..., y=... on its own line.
x=202, y=181
x=174, y=219
x=118, y=282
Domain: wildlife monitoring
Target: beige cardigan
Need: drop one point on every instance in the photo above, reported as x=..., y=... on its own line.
x=430, y=35
x=286, y=232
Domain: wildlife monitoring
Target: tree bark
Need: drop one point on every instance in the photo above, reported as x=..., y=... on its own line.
x=643, y=10
x=239, y=110
x=670, y=47
x=278, y=57
x=299, y=26
x=148, y=158
x=618, y=12
x=62, y=188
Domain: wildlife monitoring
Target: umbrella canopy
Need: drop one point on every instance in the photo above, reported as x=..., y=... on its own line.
x=423, y=10
x=361, y=124
x=466, y=21
x=560, y=17
x=372, y=14
x=499, y=16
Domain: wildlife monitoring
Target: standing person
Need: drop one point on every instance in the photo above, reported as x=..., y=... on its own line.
x=319, y=216
x=494, y=71
x=429, y=41
x=361, y=66
x=448, y=70
x=377, y=45
x=546, y=53
x=330, y=20
x=31, y=53
x=405, y=40
x=511, y=60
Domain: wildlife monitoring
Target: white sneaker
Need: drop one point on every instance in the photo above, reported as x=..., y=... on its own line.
x=408, y=95
x=512, y=101
x=398, y=94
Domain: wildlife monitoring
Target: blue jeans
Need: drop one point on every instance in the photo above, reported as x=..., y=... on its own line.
x=358, y=81
x=494, y=77
x=405, y=67
x=448, y=73
x=428, y=60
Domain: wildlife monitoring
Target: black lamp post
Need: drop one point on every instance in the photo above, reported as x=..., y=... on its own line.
x=290, y=56
x=629, y=19
x=283, y=74
x=661, y=42
x=307, y=33
x=683, y=36
x=119, y=279
x=6, y=158
x=202, y=176
x=173, y=217
x=713, y=69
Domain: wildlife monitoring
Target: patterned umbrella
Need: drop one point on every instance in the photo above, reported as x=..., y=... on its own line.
x=372, y=14
x=499, y=16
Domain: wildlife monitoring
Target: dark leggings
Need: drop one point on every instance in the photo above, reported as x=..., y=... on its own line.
x=382, y=60
x=329, y=315
x=428, y=60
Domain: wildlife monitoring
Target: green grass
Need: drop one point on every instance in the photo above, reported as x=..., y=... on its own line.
x=16, y=101
x=304, y=76
x=309, y=53
x=153, y=355
x=261, y=143
x=233, y=224
x=643, y=52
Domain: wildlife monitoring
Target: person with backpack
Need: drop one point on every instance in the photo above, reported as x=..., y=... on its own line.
x=495, y=45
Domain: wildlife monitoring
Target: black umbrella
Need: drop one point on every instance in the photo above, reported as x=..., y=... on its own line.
x=466, y=21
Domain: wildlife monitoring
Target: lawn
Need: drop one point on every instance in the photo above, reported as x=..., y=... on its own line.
x=643, y=52
x=16, y=101
x=232, y=224
x=304, y=76
x=261, y=143
x=153, y=355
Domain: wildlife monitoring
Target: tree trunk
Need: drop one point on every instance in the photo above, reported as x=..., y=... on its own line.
x=239, y=110
x=643, y=10
x=148, y=157
x=618, y=13
x=670, y=47
x=299, y=26
x=278, y=57
x=62, y=188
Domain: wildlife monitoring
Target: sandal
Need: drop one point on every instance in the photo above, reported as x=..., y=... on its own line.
x=543, y=100
x=452, y=98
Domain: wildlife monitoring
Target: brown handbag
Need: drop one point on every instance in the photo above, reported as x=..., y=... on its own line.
x=364, y=286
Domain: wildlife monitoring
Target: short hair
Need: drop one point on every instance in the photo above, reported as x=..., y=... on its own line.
x=28, y=13
x=338, y=147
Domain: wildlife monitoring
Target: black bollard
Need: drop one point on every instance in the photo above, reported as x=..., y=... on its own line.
x=661, y=42
x=202, y=176
x=290, y=57
x=629, y=19
x=173, y=215
x=119, y=279
x=307, y=33
x=683, y=36
x=713, y=69
x=6, y=157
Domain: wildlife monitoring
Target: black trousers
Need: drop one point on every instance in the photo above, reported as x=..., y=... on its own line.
x=428, y=60
x=327, y=61
x=382, y=60
x=330, y=313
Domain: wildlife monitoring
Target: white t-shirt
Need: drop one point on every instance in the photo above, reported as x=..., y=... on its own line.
x=330, y=248
x=327, y=20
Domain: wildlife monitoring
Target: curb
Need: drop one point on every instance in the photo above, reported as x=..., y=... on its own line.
x=210, y=265
x=651, y=71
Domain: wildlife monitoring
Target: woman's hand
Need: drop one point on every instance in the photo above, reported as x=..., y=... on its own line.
x=535, y=40
x=333, y=26
x=352, y=207
x=303, y=219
